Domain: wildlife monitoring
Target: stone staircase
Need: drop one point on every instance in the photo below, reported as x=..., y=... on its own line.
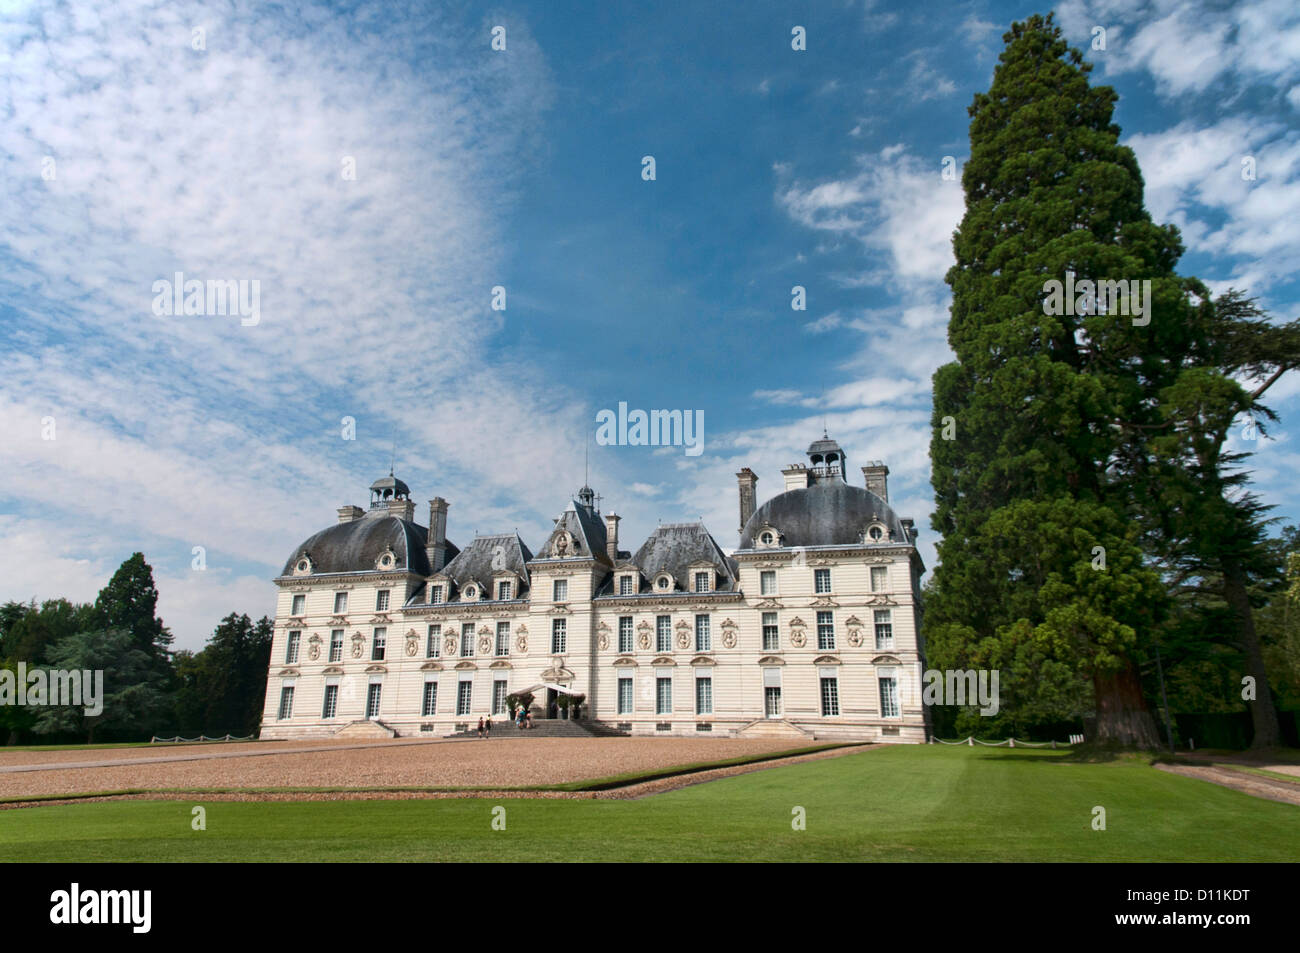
x=774, y=728
x=365, y=728
x=544, y=728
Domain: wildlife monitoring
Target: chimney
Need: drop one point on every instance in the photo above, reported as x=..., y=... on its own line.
x=402, y=509
x=796, y=476
x=909, y=527
x=747, y=481
x=437, y=548
x=349, y=513
x=611, y=537
x=876, y=475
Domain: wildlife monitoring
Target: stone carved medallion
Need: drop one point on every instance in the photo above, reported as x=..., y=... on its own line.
x=521, y=642
x=643, y=640
x=797, y=638
x=602, y=641
x=449, y=645
x=484, y=645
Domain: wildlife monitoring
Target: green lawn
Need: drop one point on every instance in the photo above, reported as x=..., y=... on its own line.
x=899, y=803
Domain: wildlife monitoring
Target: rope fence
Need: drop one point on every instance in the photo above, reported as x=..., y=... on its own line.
x=1010, y=742
x=189, y=741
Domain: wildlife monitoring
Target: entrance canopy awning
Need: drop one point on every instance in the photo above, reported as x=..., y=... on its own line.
x=533, y=689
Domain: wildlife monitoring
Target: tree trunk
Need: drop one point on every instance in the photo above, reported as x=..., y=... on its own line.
x=1262, y=713
x=1122, y=714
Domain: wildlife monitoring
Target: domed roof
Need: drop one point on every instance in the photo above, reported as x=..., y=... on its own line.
x=828, y=513
x=355, y=546
x=390, y=482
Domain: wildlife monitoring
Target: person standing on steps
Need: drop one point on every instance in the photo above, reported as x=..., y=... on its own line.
x=480, y=727
x=487, y=727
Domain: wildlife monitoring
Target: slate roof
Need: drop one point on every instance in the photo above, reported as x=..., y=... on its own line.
x=586, y=528
x=355, y=546
x=829, y=513
x=487, y=555
x=673, y=547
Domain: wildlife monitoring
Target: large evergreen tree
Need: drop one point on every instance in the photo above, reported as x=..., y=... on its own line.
x=130, y=602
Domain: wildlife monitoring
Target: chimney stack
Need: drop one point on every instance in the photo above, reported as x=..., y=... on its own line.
x=747, y=482
x=349, y=513
x=402, y=509
x=437, y=547
x=877, y=477
x=611, y=537
x=796, y=476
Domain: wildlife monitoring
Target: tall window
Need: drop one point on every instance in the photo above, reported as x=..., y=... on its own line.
x=503, y=638
x=336, y=645
x=704, y=696
x=291, y=650
x=884, y=630
x=879, y=578
x=435, y=594
x=664, y=696
x=830, y=696
x=559, y=636
x=625, y=586
x=466, y=639
x=433, y=644
x=772, y=701
x=381, y=600
x=767, y=582
x=703, y=638
x=663, y=633
x=771, y=636
x=299, y=605
x=625, y=696
x=330, y=708
x=464, y=697
x=822, y=580
x=702, y=582
x=826, y=631
x=340, y=603
x=499, y=697
x=379, y=644
x=625, y=633
x=559, y=590
x=888, y=698
x=286, y=702
x=429, y=704
x=504, y=591
x=372, y=700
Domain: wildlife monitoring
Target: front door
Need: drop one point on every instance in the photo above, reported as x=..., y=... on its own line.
x=552, y=710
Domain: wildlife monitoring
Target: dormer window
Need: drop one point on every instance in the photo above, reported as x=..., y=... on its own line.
x=505, y=591
x=664, y=583
x=303, y=566
x=767, y=539
x=435, y=593
x=470, y=593
x=877, y=533
x=704, y=581
x=626, y=585
x=386, y=561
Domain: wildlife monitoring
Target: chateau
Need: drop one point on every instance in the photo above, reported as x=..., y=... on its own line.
x=809, y=628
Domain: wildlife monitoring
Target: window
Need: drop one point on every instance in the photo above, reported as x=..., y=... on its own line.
x=470, y=592
x=559, y=590
x=433, y=643
x=664, y=696
x=767, y=582
x=703, y=638
x=879, y=578
x=772, y=701
x=625, y=696
x=663, y=633
x=379, y=644
x=381, y=600
x=875, y=533
x=430, y=704
x=464, y=697
x=372, y=700
x=499, y=698
x=299, y=605
x=435, y=593
x=767, y=538
x=771, y=637
x=503, y=638
x=340, y=603
x=330, y=708
x=888, y=698
x=826, y=631
x=822, y=580
x=625, y=586
x=466, y=639
x=625, y=633
x=559, y=635
x=884, y=630
x=702, y=582
x=704, y=696
x=830, y=696
x=291, y=651
x=664, y=582
x=336, y=645
x=505, y=591
x=286, y=702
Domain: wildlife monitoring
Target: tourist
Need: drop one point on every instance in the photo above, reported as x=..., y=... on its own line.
x=487, y=727
x=480, y=727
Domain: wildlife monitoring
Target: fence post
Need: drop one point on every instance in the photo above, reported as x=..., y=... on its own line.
x=970, y=740
x=1013, y=742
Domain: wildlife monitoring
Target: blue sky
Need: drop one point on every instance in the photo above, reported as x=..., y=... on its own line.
x=522, y=168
